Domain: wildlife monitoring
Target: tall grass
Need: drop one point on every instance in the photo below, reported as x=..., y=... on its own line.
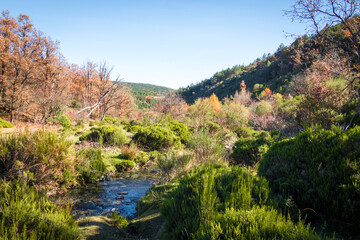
x=44, y=154
x=91, y=166
x=207, y=148
x=28, y=214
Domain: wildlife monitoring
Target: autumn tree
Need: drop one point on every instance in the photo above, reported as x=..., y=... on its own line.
x=242, y=97
x=322, y=15
x=19, y=53
x=98, y=93
x=324, y=91
x=51, y=89
x=216, y=105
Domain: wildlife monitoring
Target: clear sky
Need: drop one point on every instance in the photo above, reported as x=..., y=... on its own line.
x=171, y=43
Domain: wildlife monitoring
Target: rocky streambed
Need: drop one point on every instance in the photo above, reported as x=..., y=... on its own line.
x=117, y=195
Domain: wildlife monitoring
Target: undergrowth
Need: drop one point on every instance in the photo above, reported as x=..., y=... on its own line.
x=28, y=214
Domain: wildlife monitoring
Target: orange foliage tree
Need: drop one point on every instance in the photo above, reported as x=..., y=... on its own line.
x=216, y=105
x=36, y=82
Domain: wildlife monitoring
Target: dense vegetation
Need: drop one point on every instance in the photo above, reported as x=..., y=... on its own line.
x=265, y=151
x=29, y=214
x=214, y=202
x=323, y=176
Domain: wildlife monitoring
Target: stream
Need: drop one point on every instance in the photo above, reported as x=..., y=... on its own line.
x=117, y=195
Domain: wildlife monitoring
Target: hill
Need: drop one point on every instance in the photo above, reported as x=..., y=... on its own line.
x=145, y=94
x=274, y=71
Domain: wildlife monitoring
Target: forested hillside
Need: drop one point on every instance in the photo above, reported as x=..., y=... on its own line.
x=146, y=95
x=279, y=71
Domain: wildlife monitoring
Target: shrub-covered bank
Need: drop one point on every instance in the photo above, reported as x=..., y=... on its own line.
x=214, y=202
x=28, y=214
x=319, y=169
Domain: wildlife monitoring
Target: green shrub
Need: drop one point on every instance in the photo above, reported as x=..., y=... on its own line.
x=28, y=214
x=142, y=158
x=46, y=154
x=5, y=124
x=166, y=164
x=320, y=170
x=64, y=121
x=75, y=104
x=131, y=126
x=124, y=165
x=213, y=127
x=248, y=151
x=245, y=132
x=180, y=130
x=112, y=120
x=156, y=137
x=108, y=135
x=263, y=108
x=121, y=221
x=214, y=202
x=131, y=152
x=92, y=167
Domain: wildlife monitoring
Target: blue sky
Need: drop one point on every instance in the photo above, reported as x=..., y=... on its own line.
x=171, y=43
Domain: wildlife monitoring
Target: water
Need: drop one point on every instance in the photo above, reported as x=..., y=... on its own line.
x=119, y=195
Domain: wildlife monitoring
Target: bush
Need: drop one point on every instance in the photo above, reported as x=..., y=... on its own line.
x=64, y=121
x=92, y=166
x=320, y=170
x=180, y=130
x=245, y=132
x=213, y=127
x=248, y=151
x=108, y=135
x=28, y=214
x=121, y=221
x=263, y=108
x=45, y=154
x=5, y=124
x=156, y=137
x=142, y=158
x=112, y=120
x=124, y=165
x=214, y=202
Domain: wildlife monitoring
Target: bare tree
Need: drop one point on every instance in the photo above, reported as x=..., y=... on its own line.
x=172, y=104
x=101, y=93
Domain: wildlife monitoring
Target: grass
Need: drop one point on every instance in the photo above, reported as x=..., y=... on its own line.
x=111, y=159
x=98, y=228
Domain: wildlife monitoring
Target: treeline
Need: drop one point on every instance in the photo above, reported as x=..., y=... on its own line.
x=36, y=82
